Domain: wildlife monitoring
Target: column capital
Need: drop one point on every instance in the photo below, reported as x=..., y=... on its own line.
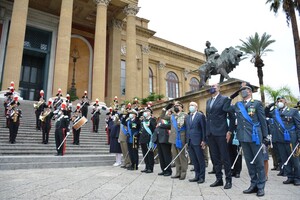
x=161, y=65
x=118, y=24
x=145, y=49
x=102, y=2
x=131, y=10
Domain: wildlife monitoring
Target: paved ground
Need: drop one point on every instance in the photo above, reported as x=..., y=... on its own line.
x=116, y=183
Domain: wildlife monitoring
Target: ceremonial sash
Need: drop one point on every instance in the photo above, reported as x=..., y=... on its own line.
x=255, y=137
x=286, y=133
x=130, y=132
x=150, y=145
x=178, y=140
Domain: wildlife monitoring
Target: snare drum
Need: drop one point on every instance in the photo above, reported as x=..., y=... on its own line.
x=79, y=123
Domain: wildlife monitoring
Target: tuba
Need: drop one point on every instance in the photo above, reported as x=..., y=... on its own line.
x=38, y=104
x=44, y=115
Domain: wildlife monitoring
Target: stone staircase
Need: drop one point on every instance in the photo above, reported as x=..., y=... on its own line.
x=29, y=152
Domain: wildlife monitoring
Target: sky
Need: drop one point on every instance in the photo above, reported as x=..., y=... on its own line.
x=191, y=23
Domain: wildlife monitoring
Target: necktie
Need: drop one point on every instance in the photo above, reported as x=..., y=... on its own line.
x=192, y=117
x=211, y=102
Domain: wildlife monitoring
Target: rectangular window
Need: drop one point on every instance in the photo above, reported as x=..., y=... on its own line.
x=123, y=77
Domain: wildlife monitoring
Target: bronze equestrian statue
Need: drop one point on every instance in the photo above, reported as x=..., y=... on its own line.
x=218, y=64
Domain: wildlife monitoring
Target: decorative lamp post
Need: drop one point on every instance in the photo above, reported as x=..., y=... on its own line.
x=75, y=56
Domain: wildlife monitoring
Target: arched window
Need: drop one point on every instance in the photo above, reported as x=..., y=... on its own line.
x=172, y=85
x=150, y=81
x=194, y=84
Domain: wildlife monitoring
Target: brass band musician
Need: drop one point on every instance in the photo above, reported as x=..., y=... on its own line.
x=95, y=116
x=76, y=133
x=58, y=100
x=14, y=115
x=45, y=117
x=84, y=104
x=39, y=106
x=69, y=105
x=9, y=98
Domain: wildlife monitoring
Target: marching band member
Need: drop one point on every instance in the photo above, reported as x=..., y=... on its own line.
x=14, y=119
x=45, y=118
x=39, y=106
x=9, y=98
x=146, y=139
x=58, y=100
x=95, y=116
x=69, y=105
x=84, y=104
x=62, y=128
x=76, y=133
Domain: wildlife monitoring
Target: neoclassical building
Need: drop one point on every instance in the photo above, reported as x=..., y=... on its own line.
x=100, y=46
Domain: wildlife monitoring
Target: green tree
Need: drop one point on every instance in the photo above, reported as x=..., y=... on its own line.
x=255, y=47
x=282, y=91
x=289, y=7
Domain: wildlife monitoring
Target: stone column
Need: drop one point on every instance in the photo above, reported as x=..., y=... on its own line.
x=114, y=60
x=15, y=44
x=131, y=68
x=162, y=78
x=61, y=66
x=145, y=72
x=98, y=84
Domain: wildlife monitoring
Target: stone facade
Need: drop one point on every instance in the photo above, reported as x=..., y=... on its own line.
x=106, y=34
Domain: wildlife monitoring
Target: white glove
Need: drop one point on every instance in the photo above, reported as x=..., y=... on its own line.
x=68, y=133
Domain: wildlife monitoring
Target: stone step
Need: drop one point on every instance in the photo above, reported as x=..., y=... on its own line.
x=50, y=161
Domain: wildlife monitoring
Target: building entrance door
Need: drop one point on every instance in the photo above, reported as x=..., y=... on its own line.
x=32, y=73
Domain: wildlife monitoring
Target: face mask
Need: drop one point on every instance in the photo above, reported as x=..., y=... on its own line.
x=176, y=109
x=244, y=93
x=192, y=109
x=145, y=114
x=212, y=90
x=280, y=105
x=130, y=116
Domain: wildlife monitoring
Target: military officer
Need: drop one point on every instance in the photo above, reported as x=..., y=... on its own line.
x=252, y=130
x=178, y=140
x=84, y=104
x=39, y=106
x=14, y=119
x=96, y=116
x=76, y=133
x=287, y=121
x=148, y=125
x=45, y=117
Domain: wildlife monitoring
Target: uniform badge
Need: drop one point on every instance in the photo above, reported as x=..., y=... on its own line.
x=133, y=125
x=251, y=110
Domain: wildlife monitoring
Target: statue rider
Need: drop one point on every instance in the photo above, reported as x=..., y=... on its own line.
x=211, y=57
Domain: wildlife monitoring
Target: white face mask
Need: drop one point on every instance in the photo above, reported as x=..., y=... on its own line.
x=280, y=105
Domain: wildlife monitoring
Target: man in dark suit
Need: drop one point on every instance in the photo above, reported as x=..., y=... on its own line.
x=196, y=139
x=218, y=133
x=252, y=130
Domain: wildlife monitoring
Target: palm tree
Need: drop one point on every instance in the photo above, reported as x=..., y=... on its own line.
x=289, y=7
x=282, y=91
x=255, y=47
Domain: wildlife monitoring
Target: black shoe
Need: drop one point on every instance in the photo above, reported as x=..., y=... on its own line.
x=296, y=182
x=228, y=185
x=288, y=181
x=251, y=189
x=193, y=180
x=192, y=170
x=130, y=168
x=175, y=176
x=280, y=173
x=144, y=170
x=161, y=174
x=212, y=172
x=201, y=180
x=217, y=183
x=167, y=174
x=274, y=169
x=149, y=171
x=260, y=192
